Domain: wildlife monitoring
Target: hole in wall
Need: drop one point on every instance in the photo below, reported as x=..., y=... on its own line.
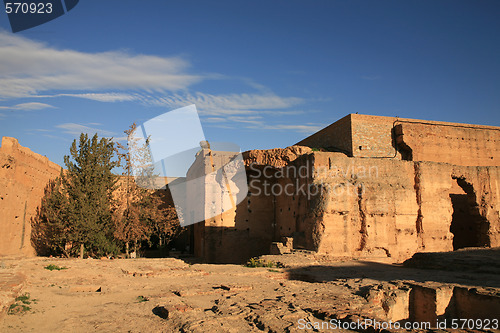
x=468, y=227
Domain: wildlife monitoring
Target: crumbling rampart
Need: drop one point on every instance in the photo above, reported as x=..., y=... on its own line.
x=23, y=177
x=365, y=136
x=355, y=207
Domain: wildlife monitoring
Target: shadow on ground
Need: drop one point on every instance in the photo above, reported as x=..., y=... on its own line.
x=472, y=267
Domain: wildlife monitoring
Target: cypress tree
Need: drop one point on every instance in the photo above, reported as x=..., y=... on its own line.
x=89, y=185
x=50, y=231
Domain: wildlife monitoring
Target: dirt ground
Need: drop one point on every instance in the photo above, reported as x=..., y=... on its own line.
x=171, y=295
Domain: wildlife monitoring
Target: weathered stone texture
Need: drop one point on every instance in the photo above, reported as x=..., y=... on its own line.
x=356, y=207
x=367, y=136
x=23, y=177
x=394, y=208
x=368, y=207
x=276, y=158
x=458, y=144
x=335, y=137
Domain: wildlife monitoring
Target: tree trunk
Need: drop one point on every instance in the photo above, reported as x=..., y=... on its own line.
x=127, y=249
x=82, y=249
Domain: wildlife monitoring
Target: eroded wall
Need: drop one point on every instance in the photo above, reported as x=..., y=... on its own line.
x=392, y=208
x=335, y=137
x=459, y=144
x=248, y=230
x=355, y=207
x=366, y=136
x=372, y=136
x=23, y=177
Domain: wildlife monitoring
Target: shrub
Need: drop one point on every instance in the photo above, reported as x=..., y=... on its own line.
x=256, y=262
x=53, y=267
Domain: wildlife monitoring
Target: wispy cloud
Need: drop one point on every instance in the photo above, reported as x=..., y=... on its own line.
x=29, y=68
x=250, y=111
x=38, y=70
x=214, y=120
x=229, y=104
x=307, y=128
x=263, y=125
x=41, y=130
x=27, y=106
x=76, y=129
x=231, y=111
x=104, y=97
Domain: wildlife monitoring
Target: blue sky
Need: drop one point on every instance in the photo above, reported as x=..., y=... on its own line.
x=262, y=74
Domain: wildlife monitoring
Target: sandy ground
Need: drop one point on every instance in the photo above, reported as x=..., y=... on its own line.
x=170, y=295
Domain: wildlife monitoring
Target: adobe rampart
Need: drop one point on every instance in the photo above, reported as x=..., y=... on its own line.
x=23, y=177
x=366, y=186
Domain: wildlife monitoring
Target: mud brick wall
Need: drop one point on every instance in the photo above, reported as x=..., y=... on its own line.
x=247, y=231
x=366, y=207
x=23, y=177
x=366, y=136
x=400, y=208
x=458, y=144
x=372, y=136
x=355, y=207
x=335, y=137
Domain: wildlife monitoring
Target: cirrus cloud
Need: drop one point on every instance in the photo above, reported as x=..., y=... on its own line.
x=27, y=106
x=230, y=104
x=29, y=68
x=77, y=129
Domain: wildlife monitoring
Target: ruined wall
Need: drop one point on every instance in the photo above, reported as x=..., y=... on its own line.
x=23, y=177
x=416, y=140
x=377, y=207
x=248, y=230
x=423, y=140
x=335, y=137
x=459, y=144
x=357, y=207
x=372, y=136
x=408, y=186
x=482, y=187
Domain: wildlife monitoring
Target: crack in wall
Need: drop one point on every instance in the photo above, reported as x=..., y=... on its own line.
x=418, y=193
x=362, y=216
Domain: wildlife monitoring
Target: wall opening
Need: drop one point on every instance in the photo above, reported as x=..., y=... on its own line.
x=468, y=227
x=399, y=144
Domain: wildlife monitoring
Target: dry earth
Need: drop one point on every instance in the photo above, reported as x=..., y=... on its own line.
x=171, y=295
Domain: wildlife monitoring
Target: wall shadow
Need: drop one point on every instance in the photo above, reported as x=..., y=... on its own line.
x=476, y=268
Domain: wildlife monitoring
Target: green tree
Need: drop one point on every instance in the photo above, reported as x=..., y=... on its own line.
x=50, y=228
x=89, y=185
